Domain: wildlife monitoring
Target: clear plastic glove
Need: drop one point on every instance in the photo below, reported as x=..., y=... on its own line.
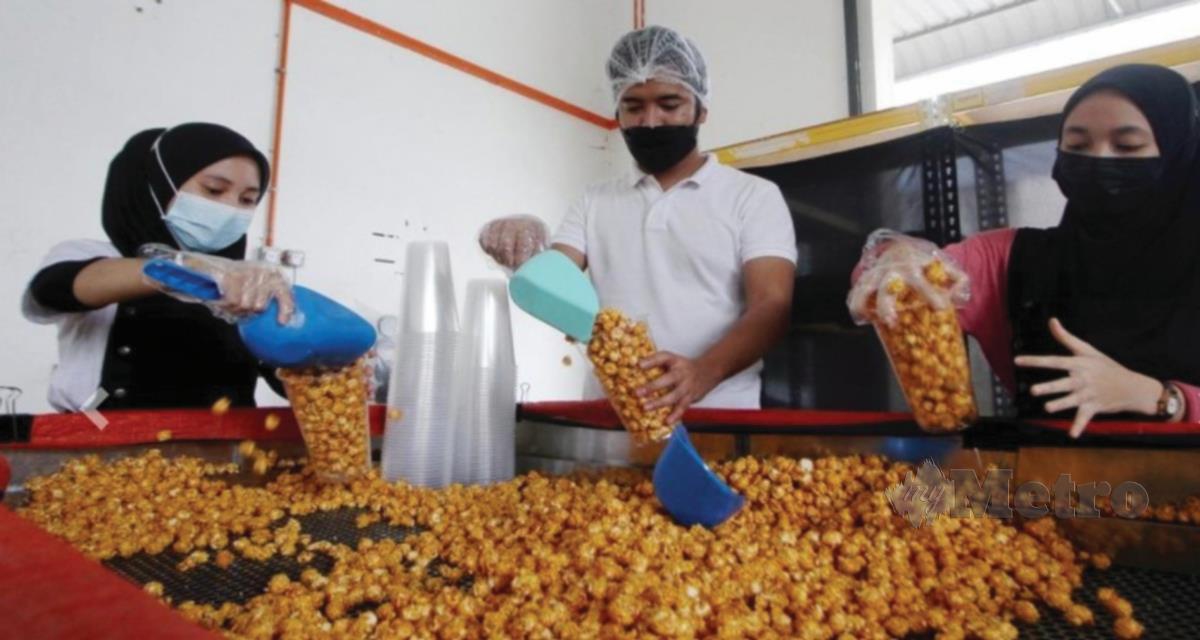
x=890, y=257
x=514, y=239
x=246, y=287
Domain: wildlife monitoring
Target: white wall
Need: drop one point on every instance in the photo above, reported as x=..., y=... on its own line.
x=774, y=65
x=558, y=46
x=378, y=139
x=77, y=79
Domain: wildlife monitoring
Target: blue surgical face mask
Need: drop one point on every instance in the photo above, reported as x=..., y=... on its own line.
x=200, y=224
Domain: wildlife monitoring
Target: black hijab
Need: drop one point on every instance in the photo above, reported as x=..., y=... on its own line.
x=1128, y=284
x=131, y=217
x=1153, y=250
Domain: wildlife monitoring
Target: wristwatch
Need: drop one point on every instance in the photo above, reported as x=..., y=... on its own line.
x=1170, y=402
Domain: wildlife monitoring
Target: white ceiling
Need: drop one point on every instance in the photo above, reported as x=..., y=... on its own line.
x=929, y=34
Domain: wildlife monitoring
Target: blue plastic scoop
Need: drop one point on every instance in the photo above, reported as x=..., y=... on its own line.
x=322, y=333
x=551, y=288
x=688, y=489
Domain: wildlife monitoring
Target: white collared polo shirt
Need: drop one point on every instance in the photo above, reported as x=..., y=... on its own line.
x=675, y=258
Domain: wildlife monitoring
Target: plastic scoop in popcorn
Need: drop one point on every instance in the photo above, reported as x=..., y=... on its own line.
x=688, y=489
x=552, y=288
x=322, y=332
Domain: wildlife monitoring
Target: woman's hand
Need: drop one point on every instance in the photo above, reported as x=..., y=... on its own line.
x=248, y=287
x=1094, y=384
x=890, y=260
x=685, y=381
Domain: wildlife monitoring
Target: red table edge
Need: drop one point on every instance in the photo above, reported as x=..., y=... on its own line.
x=75, y=430
x=51, y=591
x=599, y=414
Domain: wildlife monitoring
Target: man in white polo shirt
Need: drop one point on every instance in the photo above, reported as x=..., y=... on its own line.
x=704, y=252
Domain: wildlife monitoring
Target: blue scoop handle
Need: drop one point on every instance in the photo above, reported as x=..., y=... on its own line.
x=322, y=333
x=179, y=278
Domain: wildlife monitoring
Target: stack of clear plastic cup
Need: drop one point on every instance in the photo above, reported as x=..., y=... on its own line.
x=418, y=445
x=485, y=388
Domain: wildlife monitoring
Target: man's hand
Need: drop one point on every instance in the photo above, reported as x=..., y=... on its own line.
x=685, y=381
x=1095, y=383
x=768, y=285
x=514, y=239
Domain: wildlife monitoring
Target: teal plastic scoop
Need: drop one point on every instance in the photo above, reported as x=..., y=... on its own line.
x=552, y=288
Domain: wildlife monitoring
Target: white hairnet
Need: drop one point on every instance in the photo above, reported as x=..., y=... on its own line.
x=657, y=53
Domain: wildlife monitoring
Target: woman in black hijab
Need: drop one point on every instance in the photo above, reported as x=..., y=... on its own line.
x=122, y=342
x=1121, y=269
x=1102, y=311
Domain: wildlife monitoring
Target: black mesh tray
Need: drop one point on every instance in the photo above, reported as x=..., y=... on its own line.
x=1165, y=603
x=244, y=579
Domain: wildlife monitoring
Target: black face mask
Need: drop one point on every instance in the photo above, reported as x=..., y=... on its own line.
x=657, y=149
x=1107, y=186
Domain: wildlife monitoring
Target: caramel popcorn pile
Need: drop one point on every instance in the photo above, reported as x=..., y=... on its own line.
x=331, y=409
x=929, y=355
x=618, y=344
x=817, y=553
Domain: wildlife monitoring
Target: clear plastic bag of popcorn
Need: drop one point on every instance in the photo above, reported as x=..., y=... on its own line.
x=331, y=408
x=618, y=345
x=909, y=290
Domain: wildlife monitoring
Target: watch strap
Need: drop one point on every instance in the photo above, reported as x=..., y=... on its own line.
x=1164, y=408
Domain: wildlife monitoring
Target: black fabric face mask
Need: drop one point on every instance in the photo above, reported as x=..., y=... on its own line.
x=1107, y=186
x=657, y=149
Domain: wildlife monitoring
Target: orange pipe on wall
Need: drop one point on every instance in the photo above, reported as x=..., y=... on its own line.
x=382, y=32
x=277, y=139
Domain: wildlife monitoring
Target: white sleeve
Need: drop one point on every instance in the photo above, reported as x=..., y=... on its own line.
x=572, y=231
x=766, y=229
x=35, y=312
x=68, y=251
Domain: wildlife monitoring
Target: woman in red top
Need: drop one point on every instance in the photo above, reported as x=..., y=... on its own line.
x=1103, y=311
